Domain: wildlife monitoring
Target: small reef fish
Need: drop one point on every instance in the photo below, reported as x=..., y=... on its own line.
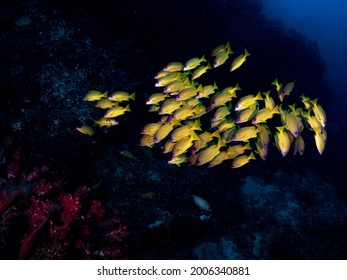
x=178, y=160
x=209, y=153
x=238, y=61
x=269, y=102
x=282, y=140
x=207, y=91
x=86, y=129
x=264, y=114
x=164, y=130
x=105, y=104
x=299, y=145
x=222, y=57
x=277, y=85
x=247, y=101
x=198, y=72
x=128, y=154
x=193, y=63
x=151, y=128
x=121, y=96
x=106, y=122
x=245, y=133
x=156, y=98
x=242, y=160
x=116, y=111
x=319, y=112
x=320, y=138
x=201, y=203
x=95, y=95
x=182, y=145
x=221, y=48
x=286, y=90
x=147, y=141
x=246, y=114
x=174, y=67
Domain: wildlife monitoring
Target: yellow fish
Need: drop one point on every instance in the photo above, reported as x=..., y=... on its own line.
x=245, y=133
x=106, y=122
x=105, y=104
x=207, y=91
x=320, y=138
x=261, y=150
x=269, y=102
x=299, y=145
x=286, y=90
x=175, y=86
x=217, y=50
x=209, y=153
x=165, y=80
x=277, y=85
x=200, y=71
x=242, y=160
x=178, y=160
x=263, y=134
x=147, y=140
x=164, y=131
x=319, y=112
x=246, y=114
x=306, y=101
x=187, y=93
x=312, y=121
x=238, y=61
x=247, y=101
x=154, y=108
x=282, y=140
x=236, y=150
x=232, y=90
x=193, y=63
x=184, y=131
x=220, y=99
x=205, y=138
x=174, y=67
x=264, y=114
x=116, y=111
x=293, y=124
x=222, y=57
x=86, y=129
x=169, y=106
x=225, y=125
x=184, y=113
x=161, y=74
x=151, y=128
x=168, y=146
x=181, y=146
x=95, y=95
x=156, y=98
x=120, y=96
x=222, y=156
x=221, y=113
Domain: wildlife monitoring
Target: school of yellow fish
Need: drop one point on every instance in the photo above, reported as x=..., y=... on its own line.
x=109, y=103
x=236, y=125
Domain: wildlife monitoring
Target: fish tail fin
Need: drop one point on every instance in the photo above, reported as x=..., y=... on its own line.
x=203, y=59
x=251, y=155
x=258, y=96
x=275, y=82
x=105, y=94
x=194, y=136
x=132, y=96
x=127, y=108
x=247, y=53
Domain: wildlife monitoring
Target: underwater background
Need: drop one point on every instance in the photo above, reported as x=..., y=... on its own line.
x=66, y=195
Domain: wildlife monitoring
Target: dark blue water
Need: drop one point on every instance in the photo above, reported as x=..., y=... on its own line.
x=323, y=21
